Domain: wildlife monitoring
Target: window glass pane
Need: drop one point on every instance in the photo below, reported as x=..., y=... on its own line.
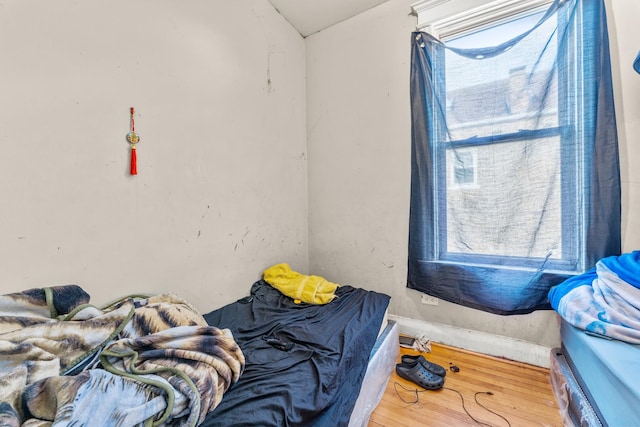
x=501, y=89
x=514, y=207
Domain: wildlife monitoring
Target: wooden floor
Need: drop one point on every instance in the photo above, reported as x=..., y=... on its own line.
x=521, y=394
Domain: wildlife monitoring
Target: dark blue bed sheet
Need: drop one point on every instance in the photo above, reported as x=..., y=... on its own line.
x=608, y=371
x=314, y=383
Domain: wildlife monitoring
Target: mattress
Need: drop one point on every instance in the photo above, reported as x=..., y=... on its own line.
x=606, y=374
x=305, y=364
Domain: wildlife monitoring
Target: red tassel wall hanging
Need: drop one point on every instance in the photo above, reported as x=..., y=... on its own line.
x=133, y=138
x=134, y=161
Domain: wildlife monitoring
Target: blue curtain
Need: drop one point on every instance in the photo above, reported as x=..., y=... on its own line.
x=515, y=182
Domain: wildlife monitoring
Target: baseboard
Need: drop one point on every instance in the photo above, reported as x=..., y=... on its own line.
x=480, y=342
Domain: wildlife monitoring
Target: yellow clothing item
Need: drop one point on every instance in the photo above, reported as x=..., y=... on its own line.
x=302, y=288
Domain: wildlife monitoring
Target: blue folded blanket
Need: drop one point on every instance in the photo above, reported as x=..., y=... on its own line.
x=636, y=63
x=605, y=300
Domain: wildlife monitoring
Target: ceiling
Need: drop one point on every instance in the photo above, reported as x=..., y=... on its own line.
x=311, y=16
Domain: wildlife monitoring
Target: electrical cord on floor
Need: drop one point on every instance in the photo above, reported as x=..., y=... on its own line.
x=415, y=391
x=475, y=397
x=465, y=408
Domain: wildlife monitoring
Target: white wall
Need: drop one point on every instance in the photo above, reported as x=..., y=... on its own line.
x=219, y=87
x=359, y=161
x=221, y=193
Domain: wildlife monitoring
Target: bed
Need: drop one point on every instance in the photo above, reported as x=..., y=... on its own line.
x=594, y=372
x=305, y=363
x=263, y=360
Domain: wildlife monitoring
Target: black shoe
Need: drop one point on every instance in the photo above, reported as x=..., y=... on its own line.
x=420, y=376
x=434, y=368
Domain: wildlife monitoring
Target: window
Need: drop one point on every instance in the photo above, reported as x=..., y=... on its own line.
x=508, y=176
x=462, y=167
x=508, y=114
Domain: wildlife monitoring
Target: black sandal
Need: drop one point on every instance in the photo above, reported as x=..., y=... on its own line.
x=420, y=376
x=434, y=368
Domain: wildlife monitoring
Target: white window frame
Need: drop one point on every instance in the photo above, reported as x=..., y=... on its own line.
x=471, y=18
